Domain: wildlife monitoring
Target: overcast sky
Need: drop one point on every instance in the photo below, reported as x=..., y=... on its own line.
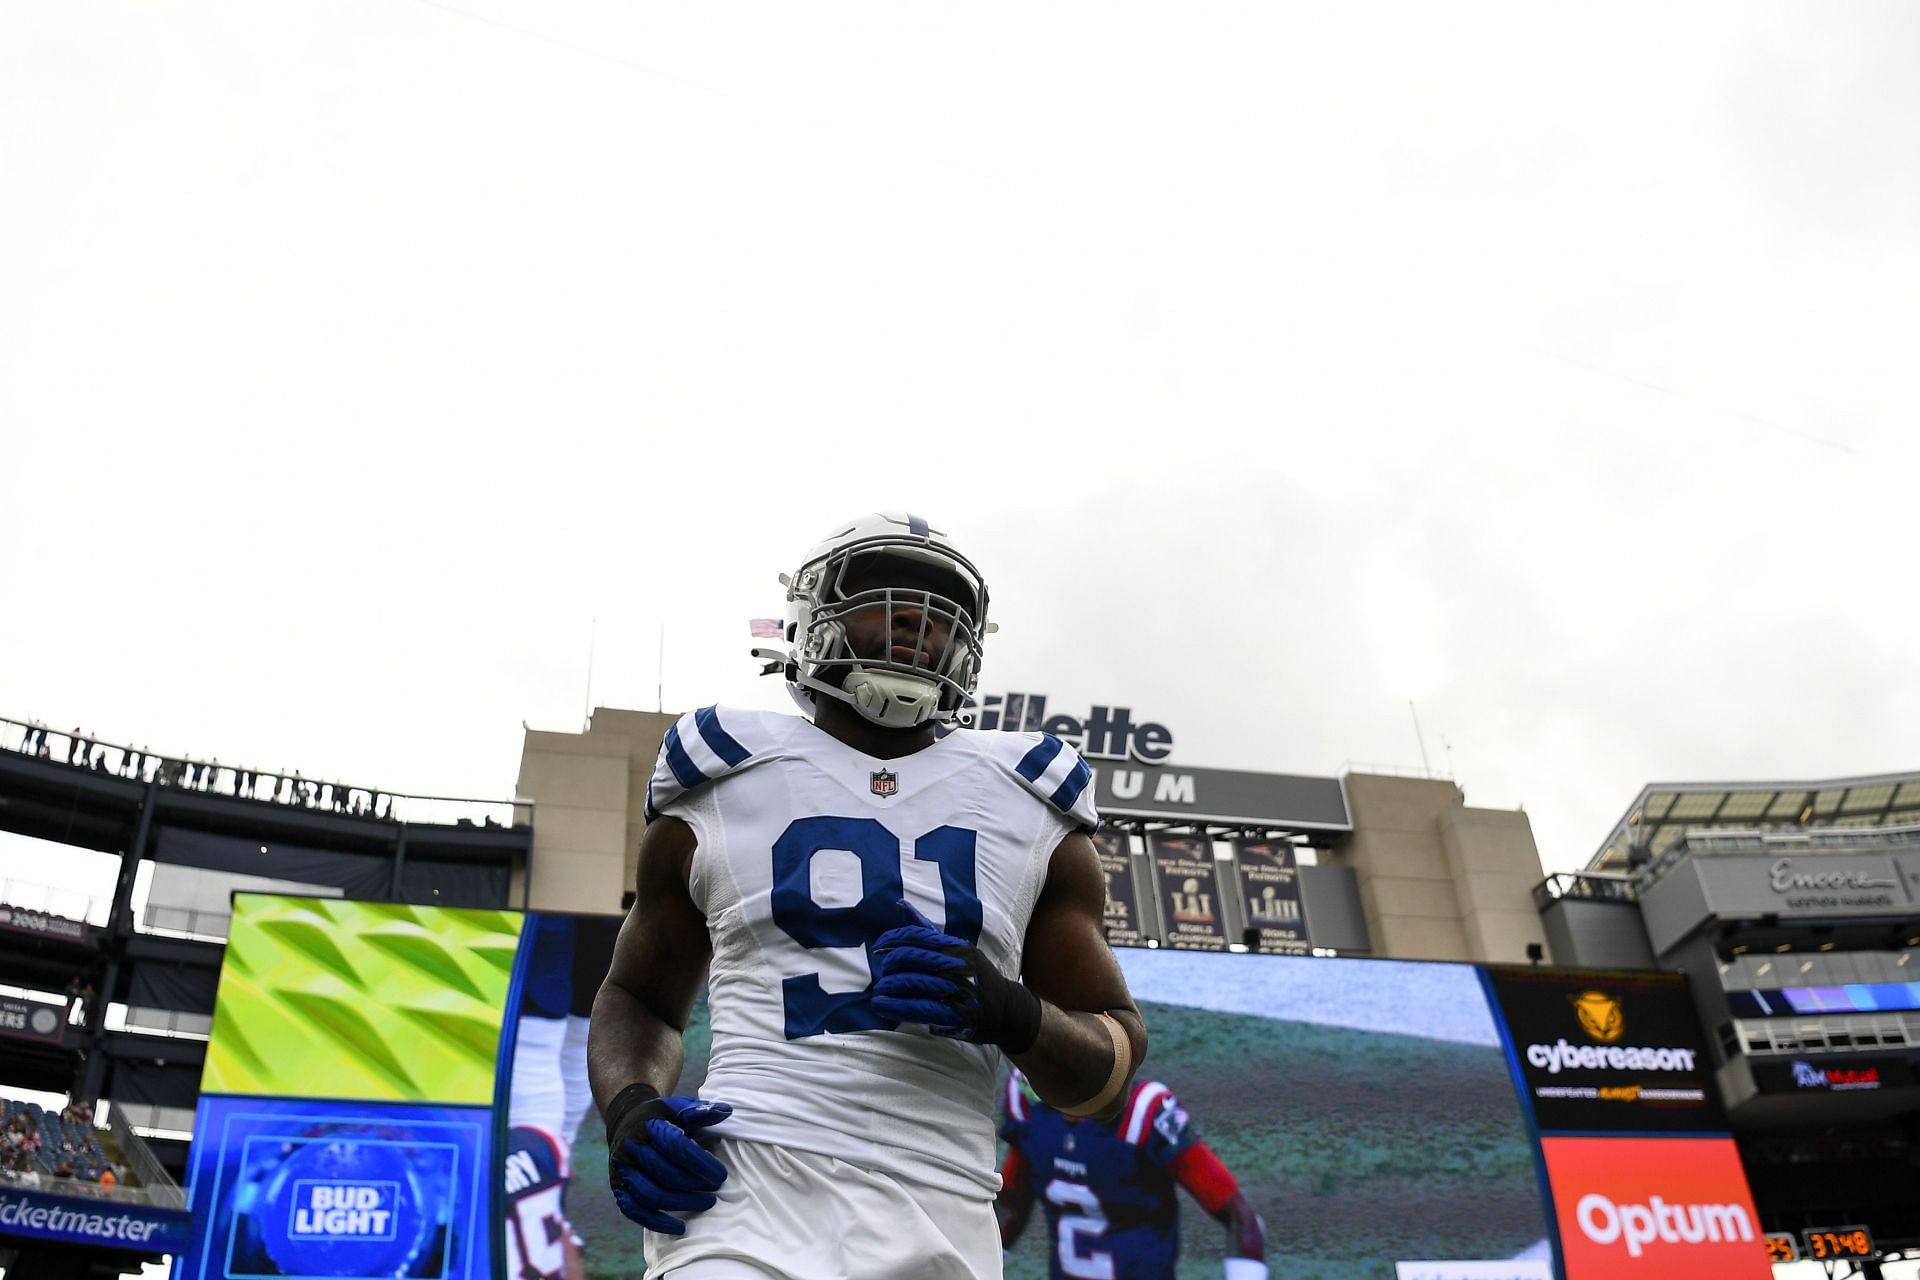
x=1548, y=367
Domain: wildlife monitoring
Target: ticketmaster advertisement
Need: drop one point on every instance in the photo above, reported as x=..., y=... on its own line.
x=402, y=1092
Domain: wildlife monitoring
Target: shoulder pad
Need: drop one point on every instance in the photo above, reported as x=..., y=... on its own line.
x=1055, y=772
x=1149, y=1096
x=1016, y=1100
x=697, y=750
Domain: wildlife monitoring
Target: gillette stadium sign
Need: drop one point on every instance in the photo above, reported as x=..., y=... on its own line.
x=1134, y=777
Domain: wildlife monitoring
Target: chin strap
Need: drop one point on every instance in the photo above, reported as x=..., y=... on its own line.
x=890, y=700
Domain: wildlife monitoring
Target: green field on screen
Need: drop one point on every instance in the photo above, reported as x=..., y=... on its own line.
x=1357, y=1147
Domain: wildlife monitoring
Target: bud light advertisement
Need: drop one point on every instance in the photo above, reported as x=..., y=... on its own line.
x=303, y=1188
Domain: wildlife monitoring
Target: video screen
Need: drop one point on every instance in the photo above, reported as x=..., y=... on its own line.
x=403, y=1091
x=346, y=1115
x=1364, y=1107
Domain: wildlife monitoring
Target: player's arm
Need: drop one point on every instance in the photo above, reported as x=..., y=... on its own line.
x=658, y=1164
x=1210, y=1182
x=1070, y=1025
x=659, y=962
x=1091, y=1036
x=1014, y=1205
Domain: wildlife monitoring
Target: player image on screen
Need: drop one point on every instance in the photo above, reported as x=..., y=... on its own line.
x=540, y=1242
x=549, y=1094
x=1108, y=1187
x=879, y=913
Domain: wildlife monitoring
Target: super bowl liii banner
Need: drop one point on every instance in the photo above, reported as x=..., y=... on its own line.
x=1189, y=892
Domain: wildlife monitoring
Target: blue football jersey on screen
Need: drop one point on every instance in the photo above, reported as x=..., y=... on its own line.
x=1109, y=1191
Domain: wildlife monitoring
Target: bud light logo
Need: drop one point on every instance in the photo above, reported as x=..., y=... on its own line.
x=344, y=1210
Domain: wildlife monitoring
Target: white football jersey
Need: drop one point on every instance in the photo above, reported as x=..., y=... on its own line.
x=805, y=847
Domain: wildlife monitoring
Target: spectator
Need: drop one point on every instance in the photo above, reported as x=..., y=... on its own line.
x=99, y=755
x=133, y=763
x=75, y=745
x=106, y=1177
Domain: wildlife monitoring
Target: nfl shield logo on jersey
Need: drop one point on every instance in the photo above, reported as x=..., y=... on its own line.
x=885, y=782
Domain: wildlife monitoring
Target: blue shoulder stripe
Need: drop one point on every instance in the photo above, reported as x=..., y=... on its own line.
x=680, y=762
x=719, y=740
x=1039, y=758
x=1069, y=791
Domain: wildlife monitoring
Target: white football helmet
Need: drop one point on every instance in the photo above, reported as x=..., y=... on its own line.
x=898, y=562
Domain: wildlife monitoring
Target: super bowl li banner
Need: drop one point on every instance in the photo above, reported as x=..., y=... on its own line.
x=1184, y=868
x=401, y=1091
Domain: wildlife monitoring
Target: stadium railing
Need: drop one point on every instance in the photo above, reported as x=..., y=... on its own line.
x=1590, y=885
x=152, y=1119
x=376, y=803
x=69, y=904
x=143, y=1165
x=1788, y=841
x=156, y=1197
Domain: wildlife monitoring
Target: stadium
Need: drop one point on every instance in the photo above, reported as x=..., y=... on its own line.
x=324, y=1028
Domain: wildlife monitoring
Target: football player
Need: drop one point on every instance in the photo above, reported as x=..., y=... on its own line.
x=879, y=913
x=1109, y=1187
x=541, y=1244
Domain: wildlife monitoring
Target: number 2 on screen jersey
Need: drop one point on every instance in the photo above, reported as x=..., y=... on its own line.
x=810, y=1009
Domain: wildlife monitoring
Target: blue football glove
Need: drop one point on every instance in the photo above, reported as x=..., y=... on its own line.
x=657, y=1157
x=923, y=974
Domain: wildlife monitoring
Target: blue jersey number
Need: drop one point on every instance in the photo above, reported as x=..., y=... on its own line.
x=810, y=1009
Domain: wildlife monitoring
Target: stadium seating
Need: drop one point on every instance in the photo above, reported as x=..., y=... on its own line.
x=67, y=1148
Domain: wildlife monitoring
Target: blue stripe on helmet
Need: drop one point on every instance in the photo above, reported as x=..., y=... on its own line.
x=1070, y=790
x=719, y=740
x=1039, y=758
x=681, y=763
x=917, y=525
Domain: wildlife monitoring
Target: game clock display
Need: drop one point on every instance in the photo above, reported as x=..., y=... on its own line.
x=1782, y=1247
x=1826, y=1243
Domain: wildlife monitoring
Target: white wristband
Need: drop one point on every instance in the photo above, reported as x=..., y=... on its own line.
x=1245, y=1269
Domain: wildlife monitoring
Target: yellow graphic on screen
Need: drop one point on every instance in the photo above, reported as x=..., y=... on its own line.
x=1600, y=1016
x=324, y=998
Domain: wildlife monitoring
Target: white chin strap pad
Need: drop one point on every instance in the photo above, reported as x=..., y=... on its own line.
x=892, y=700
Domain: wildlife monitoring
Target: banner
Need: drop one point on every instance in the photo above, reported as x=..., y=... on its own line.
x=71, y=1220
x=1268, y=881
x=1189, y=892
x=1838, y=1074
x=38, y=924
x=1123, y=896
x=1601, y=1051
x=25, y=1018
x=1654, y=1207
